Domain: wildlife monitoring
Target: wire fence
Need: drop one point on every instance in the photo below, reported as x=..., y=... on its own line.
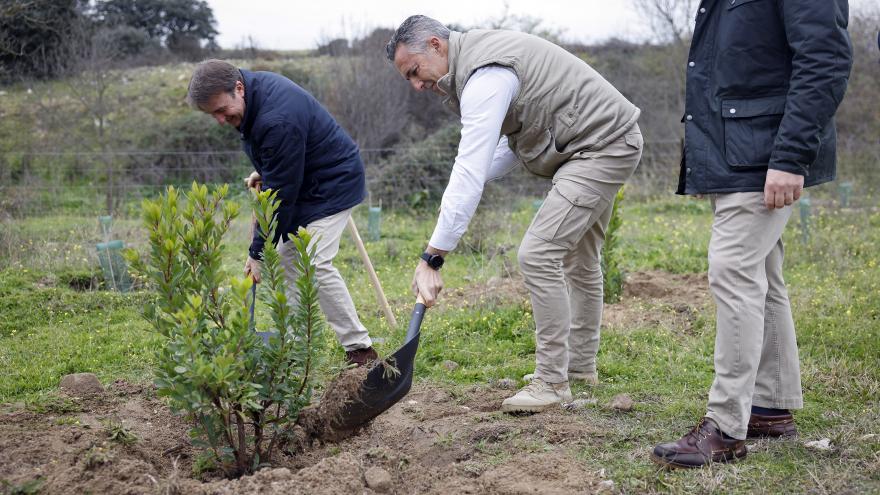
x=36, y=183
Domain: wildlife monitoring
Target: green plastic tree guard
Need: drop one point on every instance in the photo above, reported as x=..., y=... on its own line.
x=845, y=189
x=113, y=265
x=106, y=224
x=374, y=225
x=804, y=204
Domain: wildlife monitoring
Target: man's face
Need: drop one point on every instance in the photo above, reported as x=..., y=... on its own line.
x=227, y=108
x=423, y=70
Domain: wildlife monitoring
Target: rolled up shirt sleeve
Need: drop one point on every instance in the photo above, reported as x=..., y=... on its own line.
x=483, y=154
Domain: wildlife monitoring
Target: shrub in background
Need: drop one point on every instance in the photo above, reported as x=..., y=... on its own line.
x=612, y=274
x=240, y=392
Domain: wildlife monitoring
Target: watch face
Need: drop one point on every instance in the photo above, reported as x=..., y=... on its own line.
x=436, y=261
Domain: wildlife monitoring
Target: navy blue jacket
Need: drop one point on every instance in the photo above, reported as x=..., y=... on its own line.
x=764, y=79
x=300, y=151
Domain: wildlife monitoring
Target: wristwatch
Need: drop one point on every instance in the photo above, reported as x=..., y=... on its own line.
x=435, y=261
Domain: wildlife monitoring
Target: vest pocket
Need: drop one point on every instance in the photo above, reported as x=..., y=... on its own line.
x=567, y=212
x=750, y=128
x=531, y=148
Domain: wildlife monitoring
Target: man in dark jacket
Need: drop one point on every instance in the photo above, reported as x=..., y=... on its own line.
x=764, y=80
x=299, y=150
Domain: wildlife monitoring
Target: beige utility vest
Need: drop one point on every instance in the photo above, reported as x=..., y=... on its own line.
x=563, y=106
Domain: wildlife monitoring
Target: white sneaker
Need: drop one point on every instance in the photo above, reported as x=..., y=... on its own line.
x=574, y=376
x=537, y=396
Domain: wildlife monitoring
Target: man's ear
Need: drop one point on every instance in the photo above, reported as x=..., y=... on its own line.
x=239, y=88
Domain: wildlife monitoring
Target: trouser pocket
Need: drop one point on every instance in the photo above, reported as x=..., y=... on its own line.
x=568, y=211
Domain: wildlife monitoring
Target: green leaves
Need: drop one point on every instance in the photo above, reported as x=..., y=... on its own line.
x=213, y=366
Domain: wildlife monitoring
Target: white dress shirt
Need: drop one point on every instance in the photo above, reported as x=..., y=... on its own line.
x=483, y=153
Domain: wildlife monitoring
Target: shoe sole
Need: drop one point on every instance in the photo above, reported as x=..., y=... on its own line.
x=676, y=465
x=528, y=409
x=761, y=436
x=592, y=380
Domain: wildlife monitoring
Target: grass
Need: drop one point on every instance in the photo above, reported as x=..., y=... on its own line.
x=50, y=329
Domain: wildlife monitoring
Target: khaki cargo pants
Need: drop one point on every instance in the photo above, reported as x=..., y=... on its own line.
x=560, y=257
x=333, y=296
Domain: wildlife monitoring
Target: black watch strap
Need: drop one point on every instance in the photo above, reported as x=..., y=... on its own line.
x=435, y=261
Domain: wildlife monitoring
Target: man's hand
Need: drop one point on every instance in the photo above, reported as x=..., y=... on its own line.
x=253, y=180
x=427, y=282
x=252, y=269
x=782, y=188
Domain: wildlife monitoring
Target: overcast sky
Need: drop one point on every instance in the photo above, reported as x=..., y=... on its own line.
x=291, y=25
x=286, y=24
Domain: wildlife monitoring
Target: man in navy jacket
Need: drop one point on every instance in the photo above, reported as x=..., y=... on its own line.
x=764, y=79
x=299, y=150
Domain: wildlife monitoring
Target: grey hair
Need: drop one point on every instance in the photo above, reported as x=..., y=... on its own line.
x=210, y=78
x=414, y=33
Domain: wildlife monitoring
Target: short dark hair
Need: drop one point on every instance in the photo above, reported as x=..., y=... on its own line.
x=209, y=79
x=414, y=33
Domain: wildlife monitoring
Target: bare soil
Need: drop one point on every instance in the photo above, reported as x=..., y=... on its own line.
x=436, y=440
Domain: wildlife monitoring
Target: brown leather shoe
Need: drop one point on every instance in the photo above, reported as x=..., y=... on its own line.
x=704, y=444
x=781, y=426
x=361, y=357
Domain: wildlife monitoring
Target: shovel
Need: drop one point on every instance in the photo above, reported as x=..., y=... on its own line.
x=383, y=386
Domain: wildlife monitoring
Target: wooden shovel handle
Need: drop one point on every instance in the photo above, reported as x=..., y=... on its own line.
x=377, y=286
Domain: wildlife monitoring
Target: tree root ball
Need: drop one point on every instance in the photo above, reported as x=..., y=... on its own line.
x=320, y=421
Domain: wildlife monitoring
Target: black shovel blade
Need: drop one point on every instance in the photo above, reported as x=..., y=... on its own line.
x=383, y=386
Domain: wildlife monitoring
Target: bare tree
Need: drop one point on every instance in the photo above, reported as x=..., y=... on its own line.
x=671, y=21
x=94, y=69
x=523, y=23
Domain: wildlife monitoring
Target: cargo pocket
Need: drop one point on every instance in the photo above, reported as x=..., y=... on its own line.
x=568, y=211
x=750, y=128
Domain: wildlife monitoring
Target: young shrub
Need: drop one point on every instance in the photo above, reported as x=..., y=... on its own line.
x=241, y=393
x=612, y=274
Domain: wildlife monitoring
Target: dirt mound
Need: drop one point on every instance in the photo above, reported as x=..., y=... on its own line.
x=655, y=298
x=669, y=287
x=435, y=440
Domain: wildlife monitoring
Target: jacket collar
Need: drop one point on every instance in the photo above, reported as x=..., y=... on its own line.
x=447, y=82
x=251, y=102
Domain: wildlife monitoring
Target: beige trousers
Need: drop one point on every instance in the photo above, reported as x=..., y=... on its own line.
x=756, y=355
x=560, y=259
x=333, y=296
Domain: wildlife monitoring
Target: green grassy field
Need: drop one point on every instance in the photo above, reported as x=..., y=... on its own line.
x=49, y=329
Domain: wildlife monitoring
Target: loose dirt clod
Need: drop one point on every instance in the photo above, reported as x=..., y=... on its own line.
x=81, y=384
x=378, y=479
x=621, y=402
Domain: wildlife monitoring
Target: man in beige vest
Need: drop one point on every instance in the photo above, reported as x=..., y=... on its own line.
x=522, y=99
